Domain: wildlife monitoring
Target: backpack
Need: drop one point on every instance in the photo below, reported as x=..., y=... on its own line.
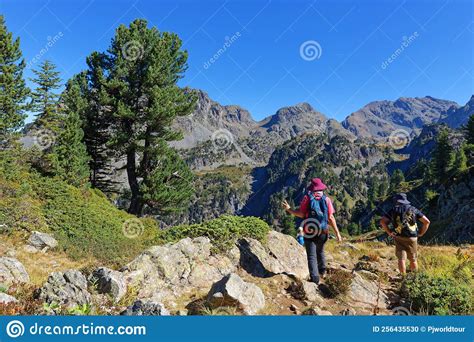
x=404, y=221
x=318, y=210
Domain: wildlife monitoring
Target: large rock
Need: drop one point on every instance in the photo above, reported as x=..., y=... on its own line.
x=366, y=293
x=283, y=254
x=233, y=291
x=68, y=289
x=5, y=299
x=41, y=240
x=149, y=308
x=109, y=281
x=12, y=271
x=174, y=269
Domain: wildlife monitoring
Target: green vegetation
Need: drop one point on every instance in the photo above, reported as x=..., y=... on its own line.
x=223, y=231
x=83, y=220
x=14, y=92
x=437, y=295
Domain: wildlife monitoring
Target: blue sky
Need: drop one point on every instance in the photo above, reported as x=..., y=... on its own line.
x=265, y=66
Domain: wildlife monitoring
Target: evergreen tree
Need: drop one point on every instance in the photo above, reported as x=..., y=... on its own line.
x=44, y=99
x=13, y=91
x=96, y=118
x=468, y=130
x=442, y=162
x=460, y=160
x=395, y=180
x=69, y=155
x=142, y=68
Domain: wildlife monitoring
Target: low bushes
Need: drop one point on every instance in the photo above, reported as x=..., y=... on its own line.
x=437, y=295
x=222, y=231
x=338, y=282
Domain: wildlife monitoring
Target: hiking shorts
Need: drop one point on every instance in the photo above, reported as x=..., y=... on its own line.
x=406, y=246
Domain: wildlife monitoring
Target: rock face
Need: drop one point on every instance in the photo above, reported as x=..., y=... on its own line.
x=283, y=255
x=366, y=293
x=150, y=308
x=68, y=288
x=457, y=117
x=380, y=118
x=5, y=299
x=41, y=240
x=12, y=271
x=109, y=281
x=174, y=269
x=233, y=291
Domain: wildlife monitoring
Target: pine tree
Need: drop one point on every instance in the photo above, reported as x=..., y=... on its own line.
x=44, y=99
x=69, y=155
x=395, y=180
x=142, y=68
x=468, y=130
x=13, y=91
x=97, y=118
x=460, y=160
x=442, y=162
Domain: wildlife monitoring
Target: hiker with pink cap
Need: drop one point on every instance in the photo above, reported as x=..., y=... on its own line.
x=317, y=211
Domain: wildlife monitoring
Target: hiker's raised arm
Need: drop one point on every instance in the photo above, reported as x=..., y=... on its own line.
x=333, y=224
x=288, y=209
x=426, y=223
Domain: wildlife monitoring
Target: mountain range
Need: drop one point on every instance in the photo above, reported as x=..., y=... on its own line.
x=216, y=134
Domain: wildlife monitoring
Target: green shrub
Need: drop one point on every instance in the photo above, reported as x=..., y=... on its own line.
x=338, y=282
x=438, y=295
x=86, y=223
x=222, y=231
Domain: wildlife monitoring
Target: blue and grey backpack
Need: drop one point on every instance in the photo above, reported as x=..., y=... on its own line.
x=318, y=211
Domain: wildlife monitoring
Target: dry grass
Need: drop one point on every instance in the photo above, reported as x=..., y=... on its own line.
x=40, y=265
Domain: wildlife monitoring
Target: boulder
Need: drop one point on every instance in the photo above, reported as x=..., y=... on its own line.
x=366, y=293
x=109, y=281
x=174, y=269
x=233, y=291
x=5, y=299
x=282, y=255
x=41, y=241
x=12, y=271
x=311, y=291
x=68, y=288
x=147, y=308
x=315, y=311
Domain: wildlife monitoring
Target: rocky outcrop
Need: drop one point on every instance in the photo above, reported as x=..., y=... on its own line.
x=5, y=298
x=42, y=241
x=67, y=289
x=12, y=271
x=282, y=254
x=366, y=294
x=233, y=291
x=146, y=308
x=174, y=269
x=109, y=281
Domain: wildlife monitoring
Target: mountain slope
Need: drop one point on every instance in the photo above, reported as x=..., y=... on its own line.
x=380, y=118
x=457, y=117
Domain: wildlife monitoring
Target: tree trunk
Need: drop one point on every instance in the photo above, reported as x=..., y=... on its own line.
x=136, y=205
